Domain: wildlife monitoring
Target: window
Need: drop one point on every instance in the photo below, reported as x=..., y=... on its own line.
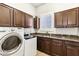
x=45, y=21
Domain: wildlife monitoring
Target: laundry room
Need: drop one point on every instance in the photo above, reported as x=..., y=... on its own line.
x=39, y=29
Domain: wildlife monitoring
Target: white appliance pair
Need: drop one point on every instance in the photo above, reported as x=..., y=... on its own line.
x=11, y=41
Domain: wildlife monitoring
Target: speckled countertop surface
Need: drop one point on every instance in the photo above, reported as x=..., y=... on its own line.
x=59, y=36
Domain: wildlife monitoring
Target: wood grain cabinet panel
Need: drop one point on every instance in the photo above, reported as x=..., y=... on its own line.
x=50, y=46
x=28, y=21
x=67, y=18
x=10, y=16
x=72, y=17
x=46, y=45
x=18, y=18
x=36, y=22
x=43, y=44
x=57, y=47
x=6, y=15
x=40, y=44
x=58, y=19
x=72, y=48
x=39, y=41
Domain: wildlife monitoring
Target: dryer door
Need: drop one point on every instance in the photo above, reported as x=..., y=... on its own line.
x=10, y=43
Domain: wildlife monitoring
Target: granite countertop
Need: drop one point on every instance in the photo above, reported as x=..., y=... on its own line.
x=59, y=36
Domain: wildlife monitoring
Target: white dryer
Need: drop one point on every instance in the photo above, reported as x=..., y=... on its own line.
x=11, y=42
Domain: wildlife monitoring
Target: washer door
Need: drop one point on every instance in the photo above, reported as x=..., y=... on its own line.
x=10, y=43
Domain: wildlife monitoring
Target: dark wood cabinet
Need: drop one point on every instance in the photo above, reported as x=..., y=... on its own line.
x=58, y=19
x=11, y=17
x=28, y=23
x=36, y=22
x=72, y=48
x=18, y=18
x=39, y=41
x=64, y=19
x=57, y=47
x=22, y=19
x=50, y=46
x=72, y=17
x=43, y=44
x=67, y=18
x=46, y=45
x=6, y=15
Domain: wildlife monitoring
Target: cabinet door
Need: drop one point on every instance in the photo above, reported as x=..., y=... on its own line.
x=47, y=45
x=18, y=18
x=36, y=22
x=56, y=47
x=72, y=17
x=65, y=18
x=6, y=15
x=72, y=48
x=39, y=43
x=28, y=21
x=58, y=19
x=43, y=44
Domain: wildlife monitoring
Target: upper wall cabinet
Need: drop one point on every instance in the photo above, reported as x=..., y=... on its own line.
x=18, y=18
x=36, y=22
x=28, y=23
x=58, y=19
x=12, y=17
x=64, y=19
x=6, y=15
x=72, y=17
x=67, y=18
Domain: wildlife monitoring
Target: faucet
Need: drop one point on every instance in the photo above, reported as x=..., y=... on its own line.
x=48, y=33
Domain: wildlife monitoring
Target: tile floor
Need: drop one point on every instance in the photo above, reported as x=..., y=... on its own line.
x=39, y=53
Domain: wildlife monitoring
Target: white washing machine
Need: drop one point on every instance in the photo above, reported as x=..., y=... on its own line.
x=30, y=46
x=11, y=41
x=30, y=43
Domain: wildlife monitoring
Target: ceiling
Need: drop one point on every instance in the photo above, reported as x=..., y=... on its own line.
x=37, y=4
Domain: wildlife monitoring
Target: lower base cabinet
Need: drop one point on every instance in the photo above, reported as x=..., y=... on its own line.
x=72, y=48
x=43, y=44
x=47, y=45
x=56, y=47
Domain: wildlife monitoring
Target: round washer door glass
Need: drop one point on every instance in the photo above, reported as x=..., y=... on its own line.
x=10, y=43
